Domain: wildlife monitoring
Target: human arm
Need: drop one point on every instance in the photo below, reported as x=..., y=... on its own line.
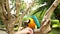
x=25, y=31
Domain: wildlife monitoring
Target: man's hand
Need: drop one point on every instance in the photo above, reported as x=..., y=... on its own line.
x=25, y=31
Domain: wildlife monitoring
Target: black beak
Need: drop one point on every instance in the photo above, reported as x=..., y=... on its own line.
x=25, y=23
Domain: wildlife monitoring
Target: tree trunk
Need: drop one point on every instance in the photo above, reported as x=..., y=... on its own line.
x=9, y=27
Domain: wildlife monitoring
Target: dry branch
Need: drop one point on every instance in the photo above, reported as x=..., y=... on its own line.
x=46, y=24
x=17, y=7
x=8, y=10
x=48, y=15
x=24, y=13
x=1, y=9
x=51, y=9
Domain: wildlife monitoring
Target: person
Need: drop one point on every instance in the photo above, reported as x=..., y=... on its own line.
x=25, y=31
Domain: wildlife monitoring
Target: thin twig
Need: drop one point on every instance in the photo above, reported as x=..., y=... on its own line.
x=25, y=11
x=17, y=7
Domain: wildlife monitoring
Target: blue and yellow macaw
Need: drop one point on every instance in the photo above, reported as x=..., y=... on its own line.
x=32, y=22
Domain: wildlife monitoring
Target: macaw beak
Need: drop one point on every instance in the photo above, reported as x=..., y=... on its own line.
x=25, y=23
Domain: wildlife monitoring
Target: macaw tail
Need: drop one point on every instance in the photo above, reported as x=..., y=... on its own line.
x=36, y=21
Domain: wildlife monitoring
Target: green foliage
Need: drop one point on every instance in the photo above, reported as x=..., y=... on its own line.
x=23, y=6
x=39, y=13
x=57, y=12
x=55, y=23
x=54, y=31
x=1, y=24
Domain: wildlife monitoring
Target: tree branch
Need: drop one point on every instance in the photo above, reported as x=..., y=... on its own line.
x=17, y=7
x=7, y=9
x=46, y=24
x=23, y=14
x=51, y=9
x=2, y=13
